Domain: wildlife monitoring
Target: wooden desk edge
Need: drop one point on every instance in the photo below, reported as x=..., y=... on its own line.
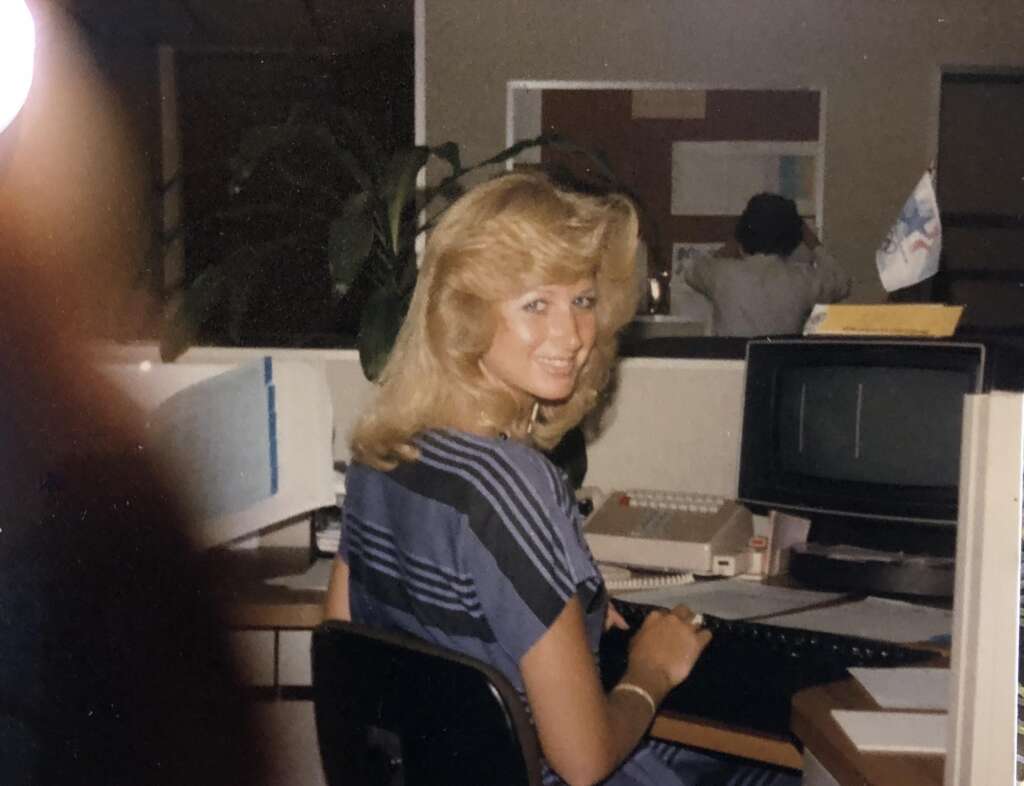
x=667, y=726
x=249, y=603
x=299, y=615
x=812, y=722
x=747, y=744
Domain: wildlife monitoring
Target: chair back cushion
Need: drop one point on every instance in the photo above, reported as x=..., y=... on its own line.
x=391, y=709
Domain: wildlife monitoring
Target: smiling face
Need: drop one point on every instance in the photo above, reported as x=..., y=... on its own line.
x=543, y=338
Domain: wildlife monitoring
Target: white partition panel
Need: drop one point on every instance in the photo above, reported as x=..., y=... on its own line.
x=673, y=424
x=982, y=731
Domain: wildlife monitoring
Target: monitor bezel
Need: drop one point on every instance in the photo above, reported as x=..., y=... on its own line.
x=762, y=486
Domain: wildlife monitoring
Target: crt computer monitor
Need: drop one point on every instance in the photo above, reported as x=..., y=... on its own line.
x=857, y=427
x=861, y=436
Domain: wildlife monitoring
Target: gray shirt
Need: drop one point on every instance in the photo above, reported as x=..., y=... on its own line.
x=765, y=294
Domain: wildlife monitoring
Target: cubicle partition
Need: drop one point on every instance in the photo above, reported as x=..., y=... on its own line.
x=669, y=423
x=674, y=424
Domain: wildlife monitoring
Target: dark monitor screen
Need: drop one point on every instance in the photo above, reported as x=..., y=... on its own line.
x=861, y=428
x=871, y=424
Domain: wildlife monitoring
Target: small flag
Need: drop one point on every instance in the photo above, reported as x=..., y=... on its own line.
x=910, y=252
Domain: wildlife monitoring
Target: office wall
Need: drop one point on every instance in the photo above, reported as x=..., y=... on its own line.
x=671, y=423
x=877, y=61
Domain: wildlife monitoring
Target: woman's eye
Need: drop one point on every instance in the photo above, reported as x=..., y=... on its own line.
x=535, y=305
x=586, y=301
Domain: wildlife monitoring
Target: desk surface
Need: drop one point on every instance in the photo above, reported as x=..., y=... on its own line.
x=248, y=602
x=812, y=722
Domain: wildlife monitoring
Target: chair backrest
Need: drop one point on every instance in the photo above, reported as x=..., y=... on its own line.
x=391, y=709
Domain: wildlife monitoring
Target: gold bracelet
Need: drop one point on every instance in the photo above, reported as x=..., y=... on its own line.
x=631, y=688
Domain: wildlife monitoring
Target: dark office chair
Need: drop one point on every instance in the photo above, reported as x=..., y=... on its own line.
x=392, y=710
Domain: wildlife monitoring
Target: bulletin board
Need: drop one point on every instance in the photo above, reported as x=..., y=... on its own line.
x=692, y=156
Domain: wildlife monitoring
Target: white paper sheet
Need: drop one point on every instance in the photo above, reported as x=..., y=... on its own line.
x=894, y=732
x=886, y=620
x=911, y=688
x=731, y=598
x=717, y=178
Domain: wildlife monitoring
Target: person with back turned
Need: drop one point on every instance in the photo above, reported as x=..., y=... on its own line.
x=766, y=280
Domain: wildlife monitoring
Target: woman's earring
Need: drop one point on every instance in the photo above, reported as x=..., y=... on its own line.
x=533, y=417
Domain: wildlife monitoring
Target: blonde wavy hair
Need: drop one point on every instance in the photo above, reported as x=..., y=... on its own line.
x=500, y=239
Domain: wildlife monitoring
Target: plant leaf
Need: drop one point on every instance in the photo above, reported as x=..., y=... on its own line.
x=409, y=272
x=350, y=238
x=451, y=189
x=449, y=151
x=597, y=158
x=382, y=317
x=399, y=185
x=515, y=149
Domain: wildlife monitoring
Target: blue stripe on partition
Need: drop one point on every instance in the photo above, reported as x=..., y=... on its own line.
x=268, y=378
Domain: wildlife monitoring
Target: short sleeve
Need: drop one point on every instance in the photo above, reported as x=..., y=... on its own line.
x=527, y=555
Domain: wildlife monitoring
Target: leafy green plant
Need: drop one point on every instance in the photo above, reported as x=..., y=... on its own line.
x=324, y=189
x=377, y=230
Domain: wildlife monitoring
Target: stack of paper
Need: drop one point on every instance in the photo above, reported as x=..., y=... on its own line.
x=894, y=732
x=911, y=688
x=890, y=319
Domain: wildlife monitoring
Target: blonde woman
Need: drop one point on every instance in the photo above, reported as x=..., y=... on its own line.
x=458, y=530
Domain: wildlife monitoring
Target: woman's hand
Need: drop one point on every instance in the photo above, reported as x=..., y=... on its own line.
x=612, y=619
x=663, y=652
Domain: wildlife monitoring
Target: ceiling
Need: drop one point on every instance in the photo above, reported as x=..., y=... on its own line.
x=338, y=25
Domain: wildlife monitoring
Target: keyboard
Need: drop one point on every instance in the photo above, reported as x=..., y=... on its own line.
x=747, y=675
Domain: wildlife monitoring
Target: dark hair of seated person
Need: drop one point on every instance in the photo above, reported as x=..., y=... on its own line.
x=769, y=224
x=114, y=666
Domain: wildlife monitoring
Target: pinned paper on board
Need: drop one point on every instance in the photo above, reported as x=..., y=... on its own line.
x=718, y=178
x=669, y=104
